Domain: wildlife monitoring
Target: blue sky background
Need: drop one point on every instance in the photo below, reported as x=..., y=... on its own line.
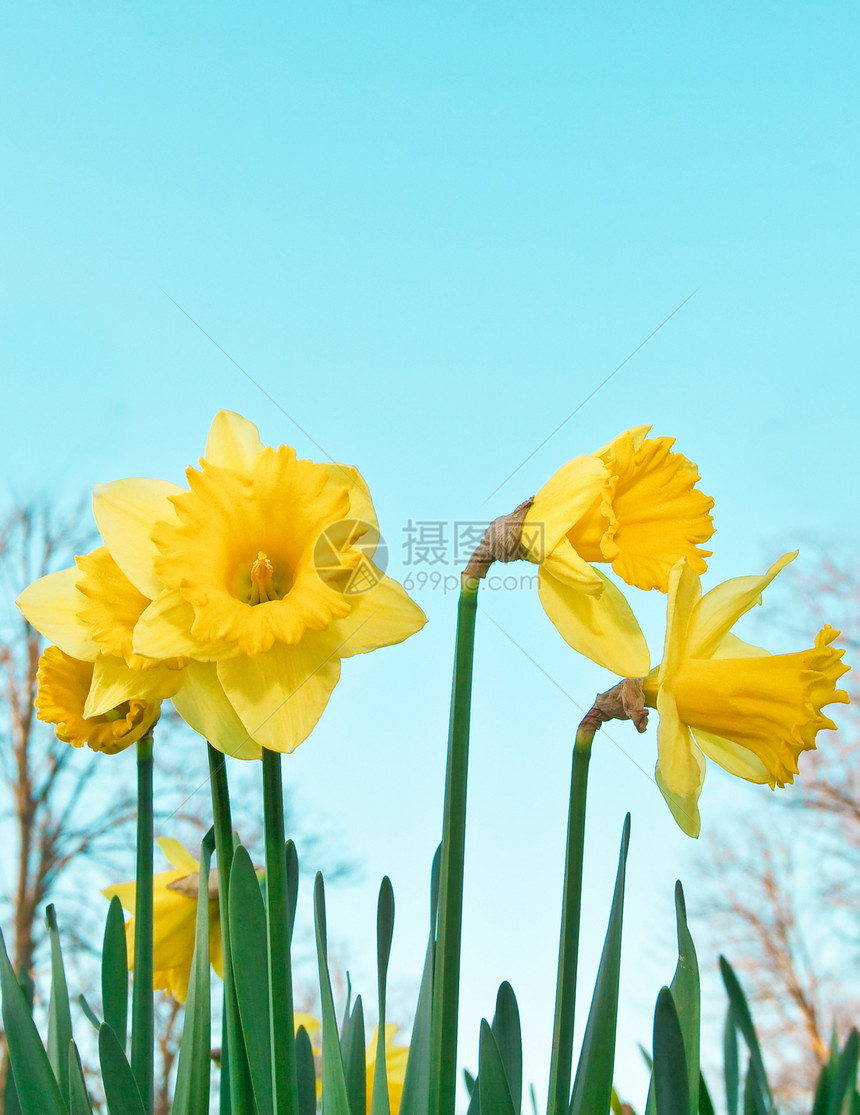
x=428, y=232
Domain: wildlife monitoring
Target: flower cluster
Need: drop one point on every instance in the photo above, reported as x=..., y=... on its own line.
x=634, y=504
x=216, y=596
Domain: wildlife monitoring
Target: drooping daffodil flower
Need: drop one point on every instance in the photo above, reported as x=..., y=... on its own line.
x=752, y=712
x=633, y=504
x=174, y=906
x=63, y=687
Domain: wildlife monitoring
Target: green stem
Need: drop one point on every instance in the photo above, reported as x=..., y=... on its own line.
x=237, y=1061
x=285, y=1081
x=568, y=947
x=446, y=981
x=142, y=1027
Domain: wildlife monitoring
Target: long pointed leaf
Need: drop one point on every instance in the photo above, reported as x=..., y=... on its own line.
x=846, y=1074
x=671, y=1090
x=352, y=1044
x=415, y=1099
x=115, y=972
x=191, y=1094
x=59, y=1015
x=121, y=1090
x=686, y=996
x=592, y=1088
x=731, y=1065
x=305, y=1073
x=38, y=1092
x=492, y=1081
x=79, y=1102
x=335, y=1099
x=379, y=1104
x=508, y=1034
x=251, y=973
x=744, y=1022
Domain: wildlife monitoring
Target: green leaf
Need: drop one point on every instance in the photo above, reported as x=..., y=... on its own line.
x=743, y=1021
x=508, y=1034
x=754, y=1101
x=352, y=1043
x=492, y=1081
x=686, y=995
x=731, y=1069
x=379, y=1104
x=79, y=1103
x=416, y=1084
x=671, y=1090
x=845, y=1076
x=706, y=1105
x=251, y=973
x=191, y=1093
x=89, y=1013
x=292, y=882
x=121, y=1090
x=59, y=1015
x=592, y=1088
x=115, y=972
x=38, y=1092
x=335, y=1097
x=306, y=1073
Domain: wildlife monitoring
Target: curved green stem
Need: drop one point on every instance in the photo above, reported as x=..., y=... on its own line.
x=142, y=1027
x=285, y=1081
x=568, y=948
x=446, y=981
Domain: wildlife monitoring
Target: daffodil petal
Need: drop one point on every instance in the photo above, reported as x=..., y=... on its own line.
x=680, y=769
x=601, y=627
x=51, y=605
x=683, y=593
x=233, y=441
x=177, y=855
x=113, y=683
x=360, y=503
x=560, y=503
x=636, y=435
x=126, y=512
x=202, y=703
x=565, y=564
x=720, y=608
x=730, y=646
x=125, y=892
x=731, y=756
x=380, y=617
x=164, y=631
x=280, y=694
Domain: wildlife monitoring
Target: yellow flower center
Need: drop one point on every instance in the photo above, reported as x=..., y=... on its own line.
x=262, y=580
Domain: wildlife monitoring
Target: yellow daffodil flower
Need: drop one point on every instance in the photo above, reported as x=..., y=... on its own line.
x=750, y=711
x=252, y=574
x=174, y=904
x=396, y=1057
x=89, y=611
x=633, y=504
x=64, y=684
